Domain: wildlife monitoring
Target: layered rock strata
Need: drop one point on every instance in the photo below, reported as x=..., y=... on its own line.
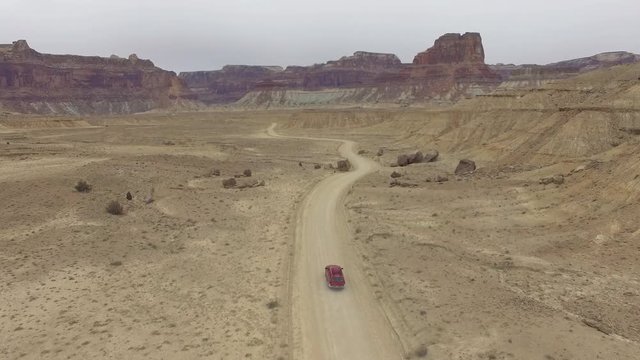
x=41, y=83
x=452, y=69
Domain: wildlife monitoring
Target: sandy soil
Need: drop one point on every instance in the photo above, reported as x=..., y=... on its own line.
x=492, y=265
x=200, y=272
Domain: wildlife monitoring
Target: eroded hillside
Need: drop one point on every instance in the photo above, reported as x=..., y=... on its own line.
x=498, y=264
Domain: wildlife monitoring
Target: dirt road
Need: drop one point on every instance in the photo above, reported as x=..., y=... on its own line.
x=335, y=324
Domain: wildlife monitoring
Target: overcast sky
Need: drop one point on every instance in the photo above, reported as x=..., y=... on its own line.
x=207, y=34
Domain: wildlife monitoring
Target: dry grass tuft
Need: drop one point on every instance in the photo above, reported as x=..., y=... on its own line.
x=83, y=186
x=115, y=208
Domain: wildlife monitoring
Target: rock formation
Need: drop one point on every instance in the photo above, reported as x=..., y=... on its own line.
x=453, y=49
x=454, y=68
x=229, y=84
x=42, y=83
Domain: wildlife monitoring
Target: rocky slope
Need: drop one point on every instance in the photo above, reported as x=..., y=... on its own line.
x=452, y=69
x=530, y=75
x=32, y=82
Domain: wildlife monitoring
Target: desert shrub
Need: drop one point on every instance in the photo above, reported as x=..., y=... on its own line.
x=114, y=208
x=273, y=304
x=421, y=351
x=83, y=186
x=229, y=183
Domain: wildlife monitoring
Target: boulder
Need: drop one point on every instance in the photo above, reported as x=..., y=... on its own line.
x=380, y=152
x=465, y=166
x=247, y=173
x=431, y=155
x=317, y=166
x=215, y=172
x=403, y=160
x=396, y=174
x=129, y=196
x=556, y=179
x=408, y=159
x=416, y=158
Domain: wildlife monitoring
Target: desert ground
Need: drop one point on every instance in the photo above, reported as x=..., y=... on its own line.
x=487, y=265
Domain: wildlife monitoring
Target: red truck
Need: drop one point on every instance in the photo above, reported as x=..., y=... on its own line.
x=334, y=276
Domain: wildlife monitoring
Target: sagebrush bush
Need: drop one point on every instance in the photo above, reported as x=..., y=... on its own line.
x=421, y=351
x=83, y=186
x=273, y=304
x=114, y=208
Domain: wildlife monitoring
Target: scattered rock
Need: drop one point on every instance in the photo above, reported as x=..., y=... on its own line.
x=396, y=174
x=431, y=155
x=403, y=160
x=408, y=159
x=229, y=183
x=247, y=173
x=556, y=179
x=438, y=179
x=465, y=166
x=344, y=165
x=250, y=184
x=149, y=199
x=396, y=182
x=579, y=168
x=416, y=158
x=129, y=196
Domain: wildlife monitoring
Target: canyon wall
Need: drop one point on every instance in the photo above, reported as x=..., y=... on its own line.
x=32, y=82
x=452, y=69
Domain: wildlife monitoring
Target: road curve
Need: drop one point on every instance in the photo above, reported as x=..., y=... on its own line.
x=346, y=324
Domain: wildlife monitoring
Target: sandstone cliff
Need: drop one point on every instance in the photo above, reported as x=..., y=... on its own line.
x=452, y=69
x=453, y=49
x=41, y=83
